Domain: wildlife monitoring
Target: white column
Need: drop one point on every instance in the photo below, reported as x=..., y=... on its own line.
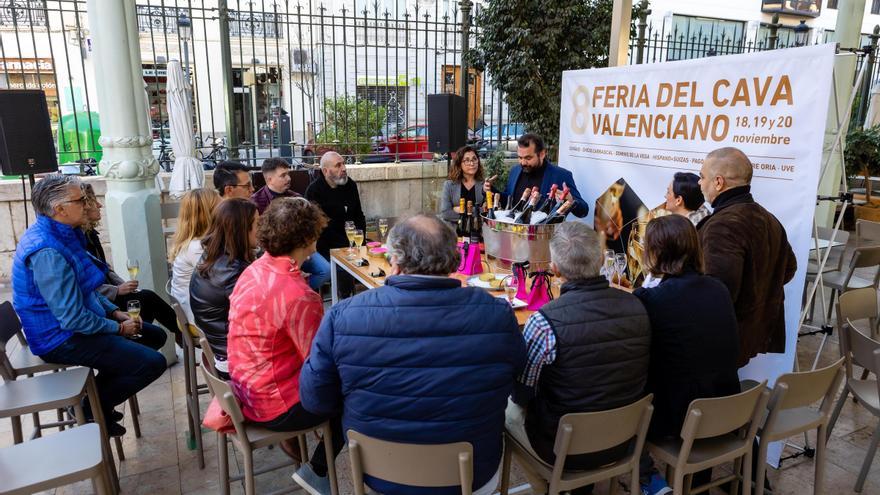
x=132, y=202
x=618, y=47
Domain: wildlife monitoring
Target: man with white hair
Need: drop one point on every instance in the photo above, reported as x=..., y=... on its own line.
x=746, y=247
x=588, y=350
x=337, y=195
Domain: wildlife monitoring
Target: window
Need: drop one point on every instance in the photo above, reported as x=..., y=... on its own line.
x=695, y=37
x=875, y=7
x=832, y=4
x=786, y=36
x=810, y=8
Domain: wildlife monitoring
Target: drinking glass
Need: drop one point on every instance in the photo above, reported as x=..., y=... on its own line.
x=349, y=232
x=608, y=265
x=134, y=309
x=358, y=239
x=383, y=228
x=620, y=266
x=133, y=269
x=509, y=288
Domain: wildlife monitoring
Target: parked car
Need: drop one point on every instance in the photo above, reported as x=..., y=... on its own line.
x=488, y=138
x=411, y=143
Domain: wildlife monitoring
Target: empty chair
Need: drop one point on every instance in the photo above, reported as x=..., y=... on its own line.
x=715, y=431
x=867, y=233
x=584, y=433
x=840, y=281
x=789, y=413
x=439, y=465
x=54, y=461
x=835, y=257
x=193, y=388
x=860, y=350
x=249, y=437
x=859, y=304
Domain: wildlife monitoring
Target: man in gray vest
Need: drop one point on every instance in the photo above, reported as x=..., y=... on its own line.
x=588, y=351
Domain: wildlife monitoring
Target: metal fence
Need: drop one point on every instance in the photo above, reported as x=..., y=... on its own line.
x=351, y=75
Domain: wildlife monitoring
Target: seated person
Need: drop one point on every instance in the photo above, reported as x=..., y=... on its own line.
x=465, y=181
x=276, y=171
x=232, y=180
x=65, y=319
x=229, y=248
x=684, y=197
x=438, y=372
x=588, y=351
x=196, y=216
x=273, y=317
x=694, y=340
x=121, y=291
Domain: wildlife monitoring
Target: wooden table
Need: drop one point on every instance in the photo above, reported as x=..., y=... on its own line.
x=338, y=257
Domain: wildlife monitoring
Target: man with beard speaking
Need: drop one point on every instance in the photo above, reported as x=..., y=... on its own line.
x=535, y=170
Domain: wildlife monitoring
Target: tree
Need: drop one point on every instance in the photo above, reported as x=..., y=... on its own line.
x=526, y=44
x=350, y=125
x=862, y=155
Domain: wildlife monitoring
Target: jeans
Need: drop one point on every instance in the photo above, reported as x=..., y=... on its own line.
x=125, y=366
x=298, y=418
x=318, y=269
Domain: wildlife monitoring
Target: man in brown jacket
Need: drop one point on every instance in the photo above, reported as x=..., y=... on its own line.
x=746, y=247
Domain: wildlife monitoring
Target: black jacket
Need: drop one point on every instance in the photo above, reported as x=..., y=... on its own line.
x=602, y=346
x=694, y=346
x=340, y=204
x=209, y=300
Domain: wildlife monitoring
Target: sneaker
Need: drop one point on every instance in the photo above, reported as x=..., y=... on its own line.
x=115, y=429
x=311, y=482
x=656, y=486
x=115, y=416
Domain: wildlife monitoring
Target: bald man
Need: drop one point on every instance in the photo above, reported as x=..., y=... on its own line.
x=337, y=194
x=746, y=247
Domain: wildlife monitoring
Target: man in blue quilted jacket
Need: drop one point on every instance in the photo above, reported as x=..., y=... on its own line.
x=421, y=360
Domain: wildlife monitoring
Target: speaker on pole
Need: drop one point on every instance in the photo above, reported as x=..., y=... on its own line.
x=26, y=145
x=447, y=123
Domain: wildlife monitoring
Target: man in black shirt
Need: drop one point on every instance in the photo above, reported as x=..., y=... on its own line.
x=338, y=196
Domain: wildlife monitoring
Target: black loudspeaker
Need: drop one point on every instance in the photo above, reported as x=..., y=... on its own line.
x=26, y=145
x=447, y=123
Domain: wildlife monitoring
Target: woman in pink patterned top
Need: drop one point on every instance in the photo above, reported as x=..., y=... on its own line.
x=273, y=317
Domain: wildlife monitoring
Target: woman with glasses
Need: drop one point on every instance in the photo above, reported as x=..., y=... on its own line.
x=465, y=181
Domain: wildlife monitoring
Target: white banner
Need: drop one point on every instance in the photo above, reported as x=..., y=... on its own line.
x=643, y=123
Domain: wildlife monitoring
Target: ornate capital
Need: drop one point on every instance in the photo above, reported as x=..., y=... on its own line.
x=131, y=169
x=124, y=142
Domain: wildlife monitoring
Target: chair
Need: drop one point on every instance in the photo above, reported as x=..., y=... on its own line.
x=438, y=465
x=193, y=388
x=715, y=431
x=249, y=437
x=583, y=433
x=207, y=352
x=840, y=281
x=25, y=363
x=864, y=351
x=835, y=257
x=867, y=233
x=54, y=461
x=789, y=413
x=859, y=304
x=169, y=211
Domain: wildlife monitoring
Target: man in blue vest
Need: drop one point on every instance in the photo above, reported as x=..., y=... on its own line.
x=65, y=319
x=536, y=170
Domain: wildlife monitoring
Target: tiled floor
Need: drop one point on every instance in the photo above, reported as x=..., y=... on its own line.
x=161, y=463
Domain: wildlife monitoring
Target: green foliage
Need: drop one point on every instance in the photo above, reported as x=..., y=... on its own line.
x=351, y=123
x=862, y=154
x=496, y=164
x=526, y=44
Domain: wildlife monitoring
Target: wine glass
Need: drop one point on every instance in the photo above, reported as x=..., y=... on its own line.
x=509, y=288
x=383, y=228
x=620, y=266
x=608, y=265
x=134, y=309
x=349, y=232
x=133, y=269
x=358, y=239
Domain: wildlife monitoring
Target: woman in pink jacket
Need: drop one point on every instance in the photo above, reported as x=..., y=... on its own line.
x=273, y=318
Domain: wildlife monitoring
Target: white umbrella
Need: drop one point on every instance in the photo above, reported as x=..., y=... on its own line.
x=187, y=172
x=872, y=118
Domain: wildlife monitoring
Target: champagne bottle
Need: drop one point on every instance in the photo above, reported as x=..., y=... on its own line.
x=559, y=215
x=459, y=229
x=520, y=204
x=469, y=221
x=551, y=200
x=526, y=216
x=474, y=232
x=509, y=203
x=490, y=211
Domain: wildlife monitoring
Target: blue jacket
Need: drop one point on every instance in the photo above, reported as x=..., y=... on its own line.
x=420, y=360
x=43, y=322
x=553, y=175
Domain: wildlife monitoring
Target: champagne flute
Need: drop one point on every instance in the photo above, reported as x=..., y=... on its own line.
x=133, y=269
x=609, y=265
x=349, y=233
x=358, y=240
x=383, y=228
x=134, y=312
x=509, y=289
x=620, y=266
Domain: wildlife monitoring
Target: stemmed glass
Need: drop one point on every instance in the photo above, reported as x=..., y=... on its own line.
x=608, y=264
x=358, y=240
x=620, y=266
x=509, y=285
x=383, y=228
x=133, y=269
x=349, y=232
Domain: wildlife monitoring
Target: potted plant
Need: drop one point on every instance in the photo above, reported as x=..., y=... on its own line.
x=496, y=164
x=862, y=156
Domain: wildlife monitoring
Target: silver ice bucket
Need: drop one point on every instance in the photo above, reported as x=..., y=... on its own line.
x=513, y=243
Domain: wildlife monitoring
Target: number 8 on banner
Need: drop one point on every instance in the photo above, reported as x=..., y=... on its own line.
x=581, y=110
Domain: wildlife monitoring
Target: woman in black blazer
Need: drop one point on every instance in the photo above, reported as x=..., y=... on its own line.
x=694, y=341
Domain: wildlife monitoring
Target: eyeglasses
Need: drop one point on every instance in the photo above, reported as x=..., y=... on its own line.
x=246, y=184
x=470, y=160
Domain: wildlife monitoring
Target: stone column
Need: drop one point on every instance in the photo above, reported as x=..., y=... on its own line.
x=618, y=46
x=132, y=201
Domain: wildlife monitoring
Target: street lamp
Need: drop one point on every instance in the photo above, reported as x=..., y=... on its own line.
x=184, y=32
x=801, y=31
